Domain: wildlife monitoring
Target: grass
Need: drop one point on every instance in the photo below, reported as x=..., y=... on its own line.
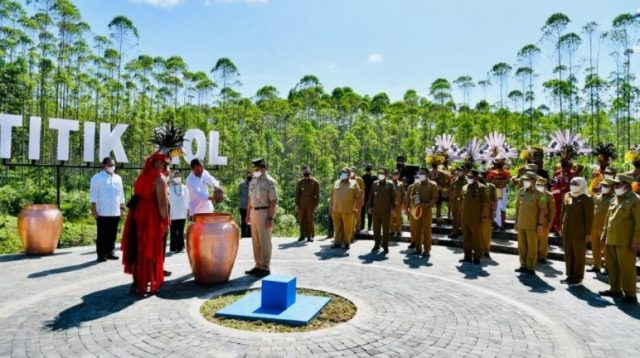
x=337, y=311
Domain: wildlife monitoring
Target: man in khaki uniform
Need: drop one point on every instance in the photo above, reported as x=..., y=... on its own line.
x=543, y=240
x=492, y=197
x=344, y=201
x=442, y=179
x=474, y=213
x=455, y=200
x=411, y=190
x=622, y=237
x=531, y=210
x=396, y=213
x=358, y=224
x=261, y=212
x=307, y=200
x=425, y=195
x=601, y=203
x=576, y=224
x=382, y=201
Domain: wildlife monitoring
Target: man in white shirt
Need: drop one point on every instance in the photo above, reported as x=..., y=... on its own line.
x=198, y=184
x=107, y=205
x=178, y=211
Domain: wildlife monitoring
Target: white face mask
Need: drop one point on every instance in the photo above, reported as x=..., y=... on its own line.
x=459, y=173
x=540, y=188
x=574, y=189
x=608, y=176
x=343, y=176
x=382, y=177
x=422, y=177
x=606, y=190
x=177, y=180
x=470, y=180
x=257, y=174
x=620, y=191
x=526, y=184
x=110, y=170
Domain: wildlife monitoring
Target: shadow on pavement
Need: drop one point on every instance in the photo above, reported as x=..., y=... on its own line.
x=63, y=269
x=548, y=270
x=417, y=261
x=292, y=244
x=472, y=272
x=535, y=283
x=185, y=287
x=373, y=257
x=327, y=252
x=585, y=294
x=23, y=256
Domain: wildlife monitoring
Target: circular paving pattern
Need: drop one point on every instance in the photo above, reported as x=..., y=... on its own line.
x=66, y=305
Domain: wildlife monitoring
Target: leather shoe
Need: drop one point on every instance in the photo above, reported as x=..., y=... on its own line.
x=101, y=259
x=301, y=238
x=465, y=260
x=335, y=246
x=310, y=239
x=375, y=249
x=386, y=250
x=346, y=247
x=112, y=257
x=520, y=269
x=253, y=271
x=263, y=273
x=609, y=293
x=630, y=299
x=166, y=273
x=594, y=269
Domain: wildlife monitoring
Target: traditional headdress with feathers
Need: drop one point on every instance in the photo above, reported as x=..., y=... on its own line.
x=532, y=151
x=497, y=149
x=443, y=148
x=607, y=150
x=168, y=140
x=633, y=154
x=474, y=150
x=567, y=146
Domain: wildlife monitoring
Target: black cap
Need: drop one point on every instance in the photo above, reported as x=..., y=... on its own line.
x=473, y=172
x=401, y=159
x=259, y=162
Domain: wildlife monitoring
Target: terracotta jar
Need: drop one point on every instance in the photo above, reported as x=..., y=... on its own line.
x=212, y=246
x=39, y=227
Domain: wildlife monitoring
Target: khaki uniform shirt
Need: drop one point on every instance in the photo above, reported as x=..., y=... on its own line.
x=529, y=204
x=601, y=203
x=362, y=187
x=308, y=193
x=262, y=191
x=623, y=220
x=455, y=190
x=551, y=209
x=577, y=216
x=474, y=197
x=400, y=191
x=382, y=198
x=443, y=180
x=344, y=196
x=424, y=192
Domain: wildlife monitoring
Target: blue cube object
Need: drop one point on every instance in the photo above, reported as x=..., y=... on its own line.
x=278, y=292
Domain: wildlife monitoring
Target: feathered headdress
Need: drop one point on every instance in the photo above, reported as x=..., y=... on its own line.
x=566, y=145
x=168, y=140
x=607, y=150
x=497, y=149
x=474, y=150
x=443, y=148
x=533, y=151
x=633, y=154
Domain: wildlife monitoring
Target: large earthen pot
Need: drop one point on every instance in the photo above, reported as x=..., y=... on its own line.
x=212, y=246
x=39, y=227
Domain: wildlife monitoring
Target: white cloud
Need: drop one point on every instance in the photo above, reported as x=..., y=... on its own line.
x=160, y=3
x=208, y=2
x=375, y=58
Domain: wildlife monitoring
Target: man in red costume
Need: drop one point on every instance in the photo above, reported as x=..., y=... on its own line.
x=560, y=187
x=148, y=218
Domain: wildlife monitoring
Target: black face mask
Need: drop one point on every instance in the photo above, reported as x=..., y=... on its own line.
x=306, y=175
x=249, y=178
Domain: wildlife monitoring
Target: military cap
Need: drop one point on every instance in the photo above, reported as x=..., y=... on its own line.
x=395, y=172
x=401, y=159
x=531, y=167
x=353, y=169
x=529, y=175
x=382, y=169
x=346, y=169
x=611, y=170
x=623, y=178
x=259, y=162
x=473, y=172
x=608, y=182
x=541, y=181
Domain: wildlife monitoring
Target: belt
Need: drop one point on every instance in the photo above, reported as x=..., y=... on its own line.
x=261, y=208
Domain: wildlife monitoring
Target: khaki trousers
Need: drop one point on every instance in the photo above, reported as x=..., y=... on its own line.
x=472, y=241
x=396, y=220
x=423, y=232
x=455, y=216
x=528, y=248
x=596, y=248
x=343, y=227
x=621, y=264
x=574, y=253
x=305, y=218
x=487, y=233
x=412, y=228
x=261, y=239
x=381, y=221
x=543, y=244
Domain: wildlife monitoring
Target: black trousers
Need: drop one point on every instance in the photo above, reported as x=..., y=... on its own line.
x=364, y=212
x=245, y=230
x=107, y=232
x=177, y=235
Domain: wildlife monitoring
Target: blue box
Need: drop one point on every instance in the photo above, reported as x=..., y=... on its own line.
x=278, y=292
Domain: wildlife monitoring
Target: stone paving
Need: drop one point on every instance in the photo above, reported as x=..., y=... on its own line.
x=67, y=305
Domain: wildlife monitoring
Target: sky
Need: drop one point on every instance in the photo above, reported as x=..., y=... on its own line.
x=371, y=46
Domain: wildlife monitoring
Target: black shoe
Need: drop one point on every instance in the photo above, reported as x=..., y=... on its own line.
x=310, y=239
x=166, y=273
x=417, y=253
x=425, y=254
x=487, y=255
x=133, y=288
x=542, y=261
x=476, y=262
x=465, y=260
x=453, y=236
x=594, y=269
x=530, y=272
x=336, y=246
x=520, y=269
x=301, y=238
x=375, y=248
x=346, y=247
x=112, y=257
x=609, y=293
x=605, y=272
x=263, y=273
x=253, y=271
x=101, y=259
x=565, y=281
x=386, y=250
x=630, y=299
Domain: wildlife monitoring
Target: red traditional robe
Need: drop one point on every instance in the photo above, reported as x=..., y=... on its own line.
x=147, y=264
x=559, y=188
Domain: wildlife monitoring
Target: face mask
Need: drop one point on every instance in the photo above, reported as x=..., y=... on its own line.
x=526, y=184
x=382, y=177
x=249, y=178
x=606, y=190
x=306, y=174
x=353, y=175
x=110, y=170
x=343, y=176
x=574, y=188
x=422, y=177
x=470, y=180
x=257, y=174
x=620, y=191
x=177, y=180
x=608, y=176
x=540, y=188
x=459, y=173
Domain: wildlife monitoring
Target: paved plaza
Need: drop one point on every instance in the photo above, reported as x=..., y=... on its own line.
x=67, y=305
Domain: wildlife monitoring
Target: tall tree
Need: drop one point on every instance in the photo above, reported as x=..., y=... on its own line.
x=122, y=32
x=228, y=73
x=553, y=30
x=465, y=84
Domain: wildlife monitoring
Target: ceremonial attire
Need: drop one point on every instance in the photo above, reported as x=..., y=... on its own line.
x=500, y=178
x=529, y=204
x=559, y=188
x=601, y=204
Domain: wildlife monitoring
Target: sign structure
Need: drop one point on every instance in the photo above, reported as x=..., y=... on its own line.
x=109, y=140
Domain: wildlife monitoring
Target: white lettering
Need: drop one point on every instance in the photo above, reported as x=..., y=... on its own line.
x=214, y=142
x=35, y=133
x=64, y=126
x=194, y=136
x=7, y=122
x=89, y=141
x=111, y=141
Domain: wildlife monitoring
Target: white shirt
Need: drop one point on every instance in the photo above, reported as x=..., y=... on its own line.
x=199, y=202
x=107, y=193
x=178, y=201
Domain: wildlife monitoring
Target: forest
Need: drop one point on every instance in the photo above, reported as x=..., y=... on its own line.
x=52, y=65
